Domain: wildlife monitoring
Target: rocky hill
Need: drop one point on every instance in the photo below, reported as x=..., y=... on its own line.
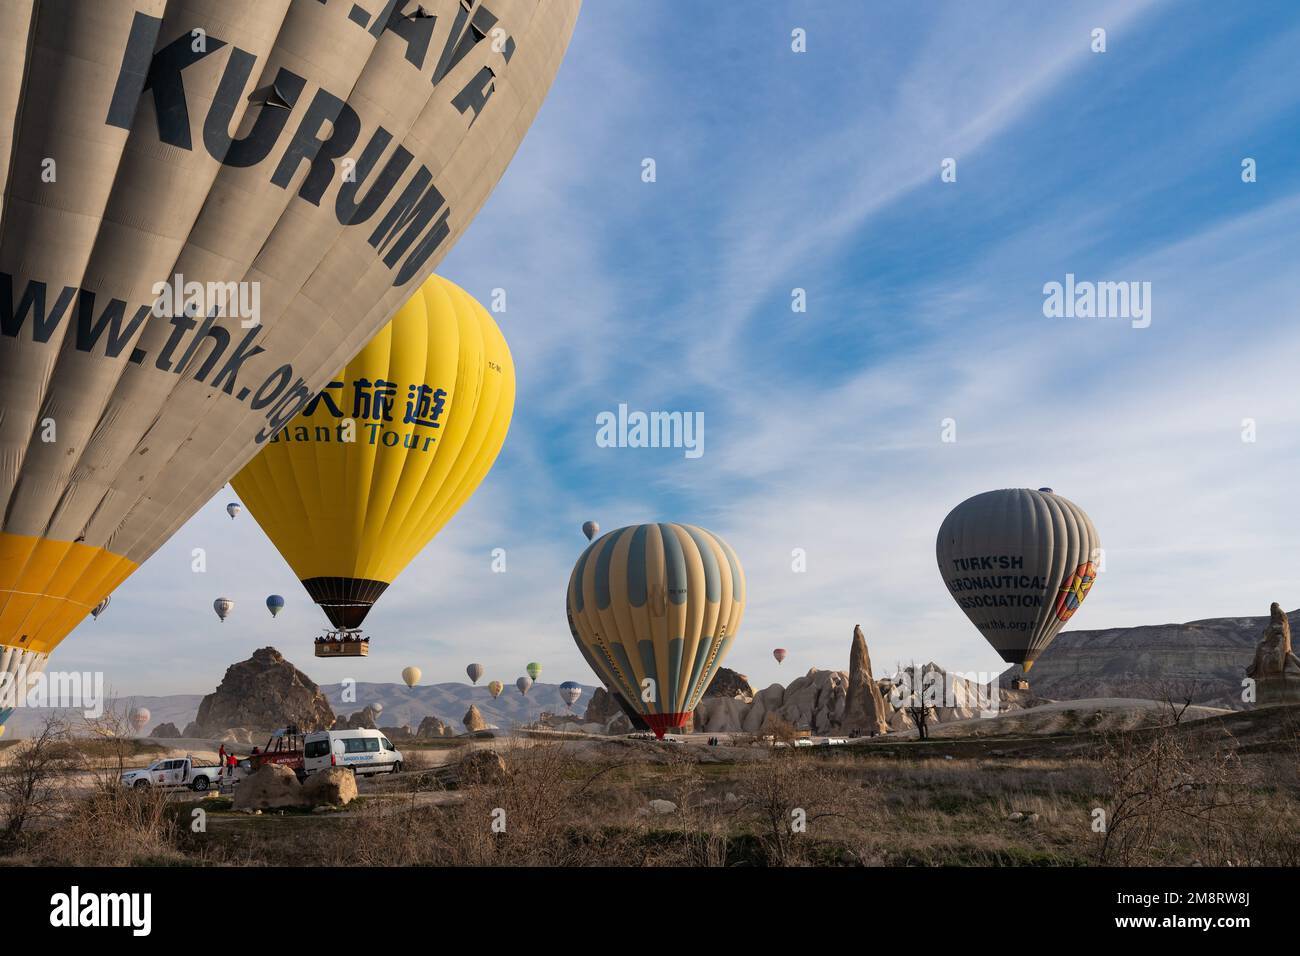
x=1210, y=655
x=262, y=693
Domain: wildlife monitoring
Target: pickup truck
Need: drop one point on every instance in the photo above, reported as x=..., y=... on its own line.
x=174, y=773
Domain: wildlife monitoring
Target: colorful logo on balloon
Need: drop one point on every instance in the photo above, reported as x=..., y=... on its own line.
x=1074, y=590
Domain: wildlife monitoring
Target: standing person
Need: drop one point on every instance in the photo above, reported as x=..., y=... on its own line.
x=230, y=766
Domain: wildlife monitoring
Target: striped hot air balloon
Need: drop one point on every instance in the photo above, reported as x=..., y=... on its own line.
x=534, y=670
x=223, y=607
x=474, y=672
x=101, y=607
x=137, y=165
x=1019, y=563
x=274, y=604
x=654, y=609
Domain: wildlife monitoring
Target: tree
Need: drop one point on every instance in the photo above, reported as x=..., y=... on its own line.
x=29, y=782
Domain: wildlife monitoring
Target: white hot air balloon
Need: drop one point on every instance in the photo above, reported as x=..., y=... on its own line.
x=523, y=684
x=201, y=265
x=233, y=509
x=223, y=607
x=1019, y=563
x=411, y=675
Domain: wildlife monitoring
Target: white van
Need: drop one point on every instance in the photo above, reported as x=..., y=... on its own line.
x=367, y=752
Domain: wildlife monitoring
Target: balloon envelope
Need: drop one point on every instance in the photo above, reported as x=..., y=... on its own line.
x=274, y=604
x=779, y=653
x=223, y=607
x=475, y=671
x=411, y=675
x=140, y=718
x=570, y=691
x=200, y=168
x=1019, y=563
x=524, y=683
x=534, y=670
x=495, y=688
x=657, y=601
x=431, y=397
x=590, y=529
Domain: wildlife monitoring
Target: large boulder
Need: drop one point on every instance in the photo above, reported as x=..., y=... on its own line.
x=271, y=787
x=364, y=719
x=165, y=731
x=331, y=787
x=473, y=720
x=262, y=693
x=1275, y=669
x=481, y=766
x=864, y=710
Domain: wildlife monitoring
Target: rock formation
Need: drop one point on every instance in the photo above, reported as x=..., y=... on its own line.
x=473, y=720
x=363, y=719
x=728, y=683
x=1127, y=661
x=433, y=727
x=1275, y=669
x=481, y=766
x=817, y=702
x=262, y=693
x=864, y=710
x=165, y=731
x=605, y=708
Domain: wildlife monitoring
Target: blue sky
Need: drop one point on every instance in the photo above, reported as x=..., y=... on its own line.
x=820, y=170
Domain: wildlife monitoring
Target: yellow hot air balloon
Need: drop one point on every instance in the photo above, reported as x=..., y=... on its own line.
x=183, y=261
x=495, y=688
x=411, y=675
x=654, y=608
x=426, y=405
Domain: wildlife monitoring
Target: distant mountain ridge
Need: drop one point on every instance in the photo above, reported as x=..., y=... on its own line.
x=1138, y=661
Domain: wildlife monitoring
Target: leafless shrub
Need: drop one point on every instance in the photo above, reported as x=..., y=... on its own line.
x=29, y=781
x=1173, y=795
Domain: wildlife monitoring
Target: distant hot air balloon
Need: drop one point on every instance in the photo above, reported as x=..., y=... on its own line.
x=190, y=161
x=140, y=718
x=100, y=608
x=658, y=601
x=495, y=688
x=274, y=604
x=779, y=653
x=590, y=529
x=1019, y=563
x=223, y=607
x=377, y=708
x=411, y=675
x=233, y=509
x=534, y=670
x=475, y=671
x=524, y=683
x=377, y=501
x=570, y=691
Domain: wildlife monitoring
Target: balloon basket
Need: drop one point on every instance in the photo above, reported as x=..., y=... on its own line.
x=1020, y=684
x=342, y=644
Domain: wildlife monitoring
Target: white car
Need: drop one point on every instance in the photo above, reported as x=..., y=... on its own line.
x=174, y=773
x=367, y=752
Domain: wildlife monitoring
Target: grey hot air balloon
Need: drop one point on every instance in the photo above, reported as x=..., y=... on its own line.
x=475, y=671
x=101, y=607
x=223, y=607
x=524, y=683
x=233, y=509
x=139, y=718
x=1019, y=563
x=186, y=262
x=590, y=529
